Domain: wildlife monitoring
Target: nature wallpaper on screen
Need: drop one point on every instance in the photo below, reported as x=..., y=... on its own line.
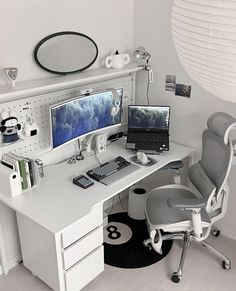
x=149, y=117
x=83, y=115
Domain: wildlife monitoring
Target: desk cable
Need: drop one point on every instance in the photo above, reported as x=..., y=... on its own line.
x=78, y=157
x=110, y=211
x=121, y=203
x=147, y=91
x=95, y=155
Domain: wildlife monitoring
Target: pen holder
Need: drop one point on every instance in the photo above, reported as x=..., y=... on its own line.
x=10, y=184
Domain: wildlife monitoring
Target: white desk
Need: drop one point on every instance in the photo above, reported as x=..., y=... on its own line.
x=60, y=224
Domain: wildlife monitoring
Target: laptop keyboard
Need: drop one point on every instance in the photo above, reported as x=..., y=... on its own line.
x=148, y=137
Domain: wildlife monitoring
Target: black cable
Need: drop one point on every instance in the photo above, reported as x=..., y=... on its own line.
x=79, y=146
x=79, y=157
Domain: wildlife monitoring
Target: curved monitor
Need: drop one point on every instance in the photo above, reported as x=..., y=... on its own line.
x=84, y=115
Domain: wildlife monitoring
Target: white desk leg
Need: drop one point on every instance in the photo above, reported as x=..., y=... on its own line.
x=3, y=256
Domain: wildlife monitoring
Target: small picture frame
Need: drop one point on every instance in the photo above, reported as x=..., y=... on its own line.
x=183, y=90
x=170, y=83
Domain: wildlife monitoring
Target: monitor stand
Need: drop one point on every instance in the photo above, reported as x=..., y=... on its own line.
x=87, y=143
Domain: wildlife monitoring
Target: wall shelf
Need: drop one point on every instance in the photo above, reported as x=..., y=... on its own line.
x=40, y=86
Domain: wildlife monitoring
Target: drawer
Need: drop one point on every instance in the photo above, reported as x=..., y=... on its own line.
x=81, y=248
x=83, y=226
x=85, y=271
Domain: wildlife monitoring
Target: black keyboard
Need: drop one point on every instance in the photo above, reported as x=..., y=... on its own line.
x=111, y=167
x=147, y=137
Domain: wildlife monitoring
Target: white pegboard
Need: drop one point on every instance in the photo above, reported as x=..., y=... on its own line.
x=37, y=108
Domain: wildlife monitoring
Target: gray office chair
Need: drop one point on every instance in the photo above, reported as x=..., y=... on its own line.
x=178, y=212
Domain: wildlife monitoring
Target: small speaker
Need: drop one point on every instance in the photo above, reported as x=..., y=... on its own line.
x=101, y=143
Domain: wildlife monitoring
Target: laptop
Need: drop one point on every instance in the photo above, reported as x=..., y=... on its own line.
x=148, y=128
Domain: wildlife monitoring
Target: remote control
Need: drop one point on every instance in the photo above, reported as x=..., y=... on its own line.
x=83, y=181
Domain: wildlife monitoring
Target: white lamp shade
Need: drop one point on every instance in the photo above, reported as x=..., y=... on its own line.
x=204, y=34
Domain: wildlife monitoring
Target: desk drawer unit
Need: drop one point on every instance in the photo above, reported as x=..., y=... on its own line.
x=82, y=227
x=82, y=250
x=85, y=271
x=83, y=247
x=68, y=260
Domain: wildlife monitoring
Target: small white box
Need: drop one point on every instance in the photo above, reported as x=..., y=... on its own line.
x=10, y=182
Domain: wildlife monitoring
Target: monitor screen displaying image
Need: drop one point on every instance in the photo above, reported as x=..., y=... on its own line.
x=80, y=116
x=148, y=117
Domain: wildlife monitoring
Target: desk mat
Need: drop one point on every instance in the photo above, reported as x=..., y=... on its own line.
x=123, y=243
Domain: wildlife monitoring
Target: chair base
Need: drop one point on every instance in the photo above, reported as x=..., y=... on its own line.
x=187, y=237
x=226, y=264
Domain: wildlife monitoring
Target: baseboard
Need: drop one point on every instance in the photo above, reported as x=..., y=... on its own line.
x=11, y=263
x=228, y=233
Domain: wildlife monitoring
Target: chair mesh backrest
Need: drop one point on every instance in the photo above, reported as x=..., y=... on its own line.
x=213, y=168
x=220, y=123
x=216, y=158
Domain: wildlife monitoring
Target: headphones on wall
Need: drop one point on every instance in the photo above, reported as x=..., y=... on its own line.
x=116, y=108
x=9, y=126
x=8, y=115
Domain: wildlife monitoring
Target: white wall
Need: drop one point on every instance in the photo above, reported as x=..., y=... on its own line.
x=24, y=23
x=152, y=29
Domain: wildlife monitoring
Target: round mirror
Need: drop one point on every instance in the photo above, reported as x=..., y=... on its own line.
x=66, y=52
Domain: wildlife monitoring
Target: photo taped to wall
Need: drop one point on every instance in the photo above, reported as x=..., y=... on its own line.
x=170, y=83
x=183, y=90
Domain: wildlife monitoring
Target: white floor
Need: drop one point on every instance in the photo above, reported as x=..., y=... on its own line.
x=202, y=272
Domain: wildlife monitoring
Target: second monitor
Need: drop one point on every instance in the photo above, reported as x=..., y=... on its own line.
x=148, y=128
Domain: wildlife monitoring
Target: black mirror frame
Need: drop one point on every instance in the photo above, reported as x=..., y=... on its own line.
x=62, y=33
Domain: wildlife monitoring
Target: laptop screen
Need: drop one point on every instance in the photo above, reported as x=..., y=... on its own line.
x=148, y=117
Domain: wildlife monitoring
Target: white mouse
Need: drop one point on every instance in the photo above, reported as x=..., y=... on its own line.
x=142, y=158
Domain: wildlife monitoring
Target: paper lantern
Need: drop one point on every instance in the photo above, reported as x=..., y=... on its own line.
x=204, y=34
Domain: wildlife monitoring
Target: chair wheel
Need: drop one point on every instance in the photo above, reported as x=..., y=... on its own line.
x=175, y=278
x=147, y=246
x=226, y=266
x=215, y=233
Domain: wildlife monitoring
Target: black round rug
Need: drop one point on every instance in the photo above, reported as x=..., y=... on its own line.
x=123, y=243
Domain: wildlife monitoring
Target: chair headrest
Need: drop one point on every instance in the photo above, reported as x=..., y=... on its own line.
x=221, y=123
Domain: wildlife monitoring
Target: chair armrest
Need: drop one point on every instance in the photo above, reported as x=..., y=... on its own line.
x=187, y=203
x=194, y=205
